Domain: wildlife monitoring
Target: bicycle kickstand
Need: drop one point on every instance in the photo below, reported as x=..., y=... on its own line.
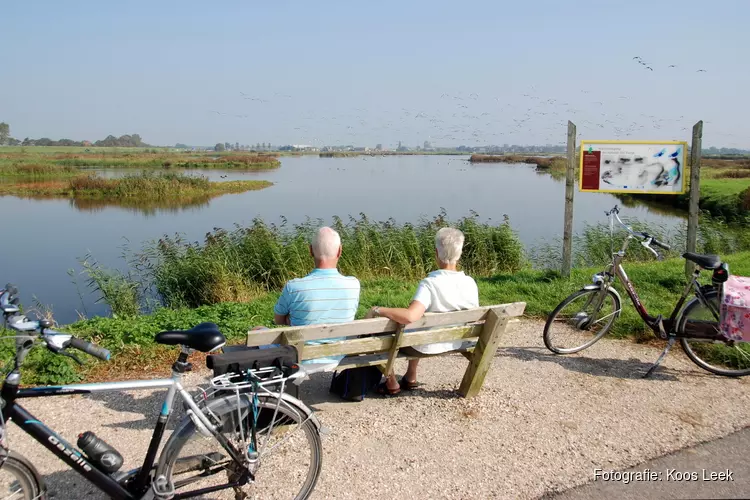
x=670, y=343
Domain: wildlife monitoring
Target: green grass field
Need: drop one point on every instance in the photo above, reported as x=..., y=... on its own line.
x=131, y=339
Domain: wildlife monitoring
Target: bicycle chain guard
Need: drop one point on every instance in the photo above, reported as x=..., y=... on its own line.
x=659, y=324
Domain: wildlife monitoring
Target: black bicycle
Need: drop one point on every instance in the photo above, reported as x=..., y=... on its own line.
x=588, y=314
x=243, y=438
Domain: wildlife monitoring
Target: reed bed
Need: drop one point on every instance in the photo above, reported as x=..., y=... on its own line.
x=239, y=264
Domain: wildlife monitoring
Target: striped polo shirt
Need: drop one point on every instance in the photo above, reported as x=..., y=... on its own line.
x=323, y=296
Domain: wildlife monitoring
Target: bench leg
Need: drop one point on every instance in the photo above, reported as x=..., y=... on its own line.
x=484, y=352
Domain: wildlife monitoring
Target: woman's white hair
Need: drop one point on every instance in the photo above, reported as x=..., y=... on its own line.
x=326, y=243
x=449, y=243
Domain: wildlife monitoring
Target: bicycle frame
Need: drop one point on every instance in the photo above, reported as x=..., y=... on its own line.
x=73, y=457
x=656, y=323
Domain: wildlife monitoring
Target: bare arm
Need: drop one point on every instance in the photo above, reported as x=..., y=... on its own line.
x=402, y=315
x=280, y=319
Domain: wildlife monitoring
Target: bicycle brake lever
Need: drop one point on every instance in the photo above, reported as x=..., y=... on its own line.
x=64, y=352
x=647, y=244
x=72, y=356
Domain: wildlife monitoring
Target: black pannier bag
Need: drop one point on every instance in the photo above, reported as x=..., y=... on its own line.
x=239, y=360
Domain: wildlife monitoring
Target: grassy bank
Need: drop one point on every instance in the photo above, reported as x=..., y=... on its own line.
x=245, y=262
x=143, y=186
x=131, y=339
x=38, y=162
x=724, y=197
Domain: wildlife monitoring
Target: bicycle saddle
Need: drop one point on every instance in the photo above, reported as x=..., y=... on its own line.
x=204, y=337
x=706, y=261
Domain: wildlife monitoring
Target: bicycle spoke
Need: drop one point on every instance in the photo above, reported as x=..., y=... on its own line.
x=608, y=315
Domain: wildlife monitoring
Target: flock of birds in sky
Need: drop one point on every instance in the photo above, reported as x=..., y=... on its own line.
x=648, y=65
x=476, y=119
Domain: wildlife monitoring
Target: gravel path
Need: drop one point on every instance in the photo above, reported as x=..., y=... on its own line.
x=542, y=423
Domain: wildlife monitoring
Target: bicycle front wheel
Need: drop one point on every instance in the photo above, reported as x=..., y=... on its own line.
x=577, y=322
x=703, y=343
x=19, y=480
x=288, y=446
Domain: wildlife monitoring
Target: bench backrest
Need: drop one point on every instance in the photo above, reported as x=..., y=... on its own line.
x=378, y=335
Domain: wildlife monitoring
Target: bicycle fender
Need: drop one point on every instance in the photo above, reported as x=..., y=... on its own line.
x=218, y=404
x=230, y=400
x=597, y=287
x=297, y=404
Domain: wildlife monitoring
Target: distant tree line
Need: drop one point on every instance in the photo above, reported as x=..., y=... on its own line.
x=724, y=151
x=124, y=141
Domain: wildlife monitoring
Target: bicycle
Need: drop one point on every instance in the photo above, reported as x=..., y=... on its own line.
x=596, y=307
x=245, y=429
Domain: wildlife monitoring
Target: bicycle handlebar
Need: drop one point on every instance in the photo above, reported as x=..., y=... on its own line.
x=89, y=348
x=648, y=240
x=56, y=341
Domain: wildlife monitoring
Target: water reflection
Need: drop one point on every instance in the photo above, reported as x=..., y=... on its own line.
x=147, y=208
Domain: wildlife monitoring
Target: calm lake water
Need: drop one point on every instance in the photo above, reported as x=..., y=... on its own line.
x=43, y=239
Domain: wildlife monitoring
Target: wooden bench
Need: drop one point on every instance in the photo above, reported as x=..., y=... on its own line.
x=375, y=342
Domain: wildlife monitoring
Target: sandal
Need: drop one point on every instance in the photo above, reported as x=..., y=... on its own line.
x=383, y=390
x=408, y=386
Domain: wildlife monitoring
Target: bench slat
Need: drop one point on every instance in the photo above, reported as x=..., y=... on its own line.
x=376, y=325
x=382, y=343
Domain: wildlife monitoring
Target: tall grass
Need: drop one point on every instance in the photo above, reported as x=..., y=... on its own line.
x=119, y=291
x=162, y=185
x=593, y=245
x=241, y=263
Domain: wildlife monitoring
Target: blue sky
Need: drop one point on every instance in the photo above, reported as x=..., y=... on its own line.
x=471, y=72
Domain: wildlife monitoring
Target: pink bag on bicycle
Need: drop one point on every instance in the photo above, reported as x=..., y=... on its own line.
x=735, y=309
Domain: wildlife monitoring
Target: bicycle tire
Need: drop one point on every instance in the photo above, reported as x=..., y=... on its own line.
x=698, y=358
x=28, y=482
x=169, y=464
x=547, y=336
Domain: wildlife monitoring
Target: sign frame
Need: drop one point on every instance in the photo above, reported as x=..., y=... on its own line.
x=683, y=188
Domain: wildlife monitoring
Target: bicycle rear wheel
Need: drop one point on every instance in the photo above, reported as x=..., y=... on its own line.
x=289, y=447
x=19, y=480
x=570, y=327
x=704, y=345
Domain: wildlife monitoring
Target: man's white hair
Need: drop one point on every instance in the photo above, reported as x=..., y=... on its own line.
x=326, y=243
x=449, y=243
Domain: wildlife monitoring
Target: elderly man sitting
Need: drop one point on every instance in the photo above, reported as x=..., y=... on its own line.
x=444, y=290
x=323, y=296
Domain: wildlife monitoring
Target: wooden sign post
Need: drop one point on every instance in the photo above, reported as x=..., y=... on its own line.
x=695, y=193
x=570, y=174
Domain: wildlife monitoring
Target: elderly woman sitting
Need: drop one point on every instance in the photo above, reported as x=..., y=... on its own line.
x=444, y=290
